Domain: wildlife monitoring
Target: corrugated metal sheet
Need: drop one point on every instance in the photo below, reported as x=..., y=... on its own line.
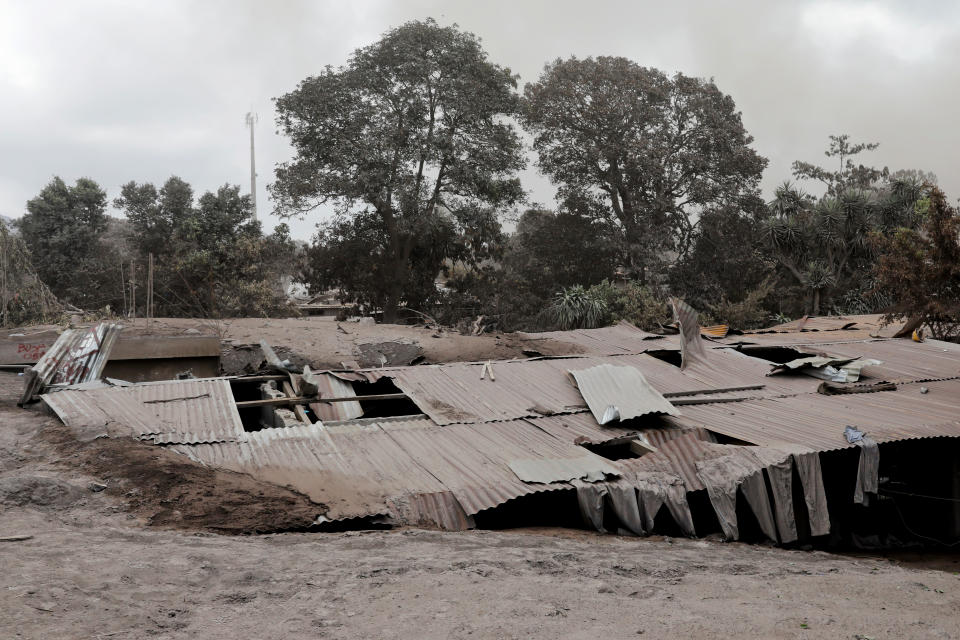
x=871, y=322
x=454, y=393
x=679, y=456
x=817, y=423
x=78, y=355
x=616, y=393
x=330, y=386
x=184, y=411
x=692, y=347
x=618, y=339
x=589, y=467
x=390, y=469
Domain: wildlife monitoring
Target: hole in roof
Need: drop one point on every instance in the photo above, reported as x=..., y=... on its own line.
x=615, y=450
x=669, y=356
x=779, y=355
x=384, y=408
x=263, y=417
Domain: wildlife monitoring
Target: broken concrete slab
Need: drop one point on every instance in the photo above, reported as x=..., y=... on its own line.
x=389, y=353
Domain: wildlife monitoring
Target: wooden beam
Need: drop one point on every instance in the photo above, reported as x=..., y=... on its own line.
x=701, y=392
x=640, y=447
x=279, y=402
x=263, y=378
x=297, y=408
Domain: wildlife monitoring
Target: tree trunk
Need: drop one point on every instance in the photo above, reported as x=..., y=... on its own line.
x=390, y=305
x=816, y=302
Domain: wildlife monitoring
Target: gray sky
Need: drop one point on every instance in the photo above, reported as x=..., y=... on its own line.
x=125, y=90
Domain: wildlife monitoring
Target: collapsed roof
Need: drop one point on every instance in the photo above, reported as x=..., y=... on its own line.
x=485, y=434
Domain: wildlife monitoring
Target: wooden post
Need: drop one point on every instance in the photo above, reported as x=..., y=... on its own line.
x=133, y=289
x=150, y=285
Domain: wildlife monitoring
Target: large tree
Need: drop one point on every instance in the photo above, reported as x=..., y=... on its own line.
x=654, y=151
x=62, y=229
x=413, y=129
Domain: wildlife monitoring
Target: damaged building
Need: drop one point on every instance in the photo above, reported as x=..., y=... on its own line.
x=829, y=430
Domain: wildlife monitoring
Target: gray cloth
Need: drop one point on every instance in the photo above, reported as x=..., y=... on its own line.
x=781, y=482
x=721, y=476
x=656, y=489
x=868, y=471
x=814, y=495
x=622, y=498
x=590, y=498
x=755, y=491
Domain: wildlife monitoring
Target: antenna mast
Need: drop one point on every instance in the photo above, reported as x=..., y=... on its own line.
x=252, y=120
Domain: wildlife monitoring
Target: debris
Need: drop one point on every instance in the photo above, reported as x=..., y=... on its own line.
x=96, y=487
x=77, y=356
x=924, y=390
x=830, y=389
x=487, y=368
x=388, y=353
x=272, y=359
x=825, y=367
x=15, y=538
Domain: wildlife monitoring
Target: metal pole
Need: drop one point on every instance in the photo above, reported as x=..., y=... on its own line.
x=251, y=120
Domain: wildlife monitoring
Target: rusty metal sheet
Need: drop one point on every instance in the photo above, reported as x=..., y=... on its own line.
x=454, y=393
x=616, y=393
x=817, y=424
x=185, y=411
x=330, y=386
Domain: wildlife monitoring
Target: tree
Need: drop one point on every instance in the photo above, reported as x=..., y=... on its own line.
x=156, y=214
x=551, y=251
x=728, y=259
x=823, y=244
x=920, y=269
x=210, y=256
x=61, y=229
x=848, y=174
x=653, y=152
x=411, y=131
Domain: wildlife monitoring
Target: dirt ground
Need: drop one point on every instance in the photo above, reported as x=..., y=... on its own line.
x=322, y=341
x=120, y=563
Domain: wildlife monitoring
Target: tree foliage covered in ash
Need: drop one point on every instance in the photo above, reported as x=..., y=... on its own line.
x=655, y=153
x=411, y=140
x=822, y=245
x=210, y=256
x=920, y=268
x=415, y=146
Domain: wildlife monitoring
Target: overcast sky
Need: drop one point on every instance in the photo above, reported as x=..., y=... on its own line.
x=125, y=90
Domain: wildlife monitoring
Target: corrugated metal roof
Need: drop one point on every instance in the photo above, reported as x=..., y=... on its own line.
x=616, y=393
x=817, y=422
x=380, y=470
x=182, y=411
x=454, y=393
